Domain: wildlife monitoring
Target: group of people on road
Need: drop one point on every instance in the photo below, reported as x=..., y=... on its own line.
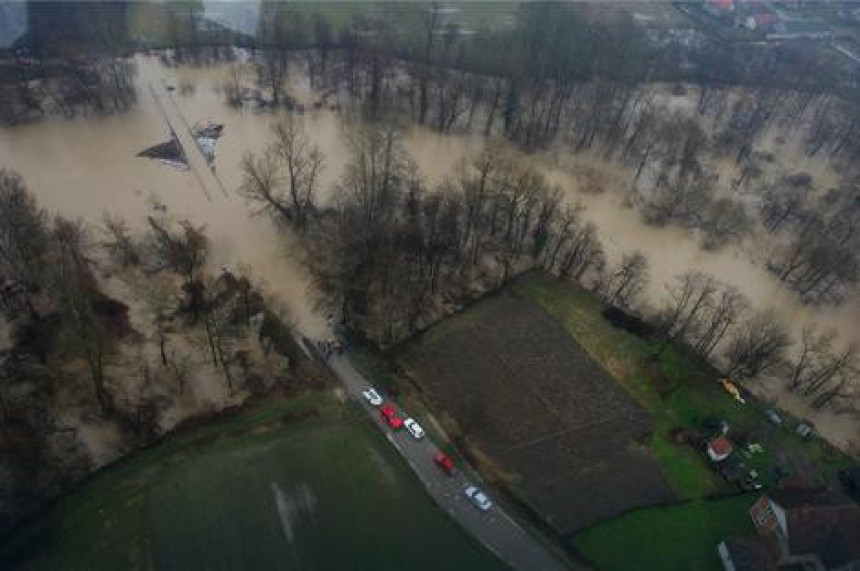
x=328, y=347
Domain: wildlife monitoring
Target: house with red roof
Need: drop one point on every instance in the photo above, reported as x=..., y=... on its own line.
x=812, y=529
x=719, y=449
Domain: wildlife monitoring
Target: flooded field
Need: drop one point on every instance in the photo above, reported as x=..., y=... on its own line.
x=87, y=166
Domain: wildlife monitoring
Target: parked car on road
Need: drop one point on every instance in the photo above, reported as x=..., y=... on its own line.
x=805, y=430
x=371, y=396
x=773, y=417
x=479, y=498
x=414, y=428
x=444, y=462
x=389, y=415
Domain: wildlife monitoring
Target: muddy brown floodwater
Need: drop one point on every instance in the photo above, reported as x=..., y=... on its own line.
x=86, y=166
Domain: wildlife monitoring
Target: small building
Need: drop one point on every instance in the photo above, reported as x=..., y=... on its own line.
x=719, y=449
x=799, y=29
x=760, y=21
x=799, y=528
x=719, y=7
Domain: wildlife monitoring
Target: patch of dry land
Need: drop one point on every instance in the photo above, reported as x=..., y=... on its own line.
x=558, y=430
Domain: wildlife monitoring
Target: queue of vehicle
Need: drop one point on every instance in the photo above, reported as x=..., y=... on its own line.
x=396, y=421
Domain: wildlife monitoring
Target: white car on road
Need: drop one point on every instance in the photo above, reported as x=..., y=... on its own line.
x=371, y=396
x=414, y=428
x=479, y=498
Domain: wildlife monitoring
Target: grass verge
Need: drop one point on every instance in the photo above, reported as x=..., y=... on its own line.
x=679, y=537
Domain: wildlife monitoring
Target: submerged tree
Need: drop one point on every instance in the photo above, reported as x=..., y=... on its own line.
x=285, y=178
x=24, y=235
x=623, y=286
x=73, y=286
x=819, y=371
x=182, y=248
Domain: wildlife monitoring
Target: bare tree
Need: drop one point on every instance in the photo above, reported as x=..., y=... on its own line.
x=819, y=370
x=73, y=286
x=749, y=170
x=181, y=248
x=819, y=262
x=24, y=234
x=700, y=312
x=378, y=168
x=681, y=194
x=216, y=322
x=814, y=345
x=724, y=220
x=688, y=299
x=271, y=69
x=581, y=252
x=627, y=281
x=786, y=200
x=301, y=161
x=233, y=84
x=758, y=345
x=261, y=184
x=718, y=319
x=118, y=241
x=429, y=23
x=161, y=301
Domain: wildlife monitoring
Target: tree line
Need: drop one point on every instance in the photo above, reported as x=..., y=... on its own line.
x=68, y=88
x=566, y=79
x=391, y=255
x=391, y=249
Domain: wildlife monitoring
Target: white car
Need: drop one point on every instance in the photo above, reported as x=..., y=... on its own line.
x=479, y=498
x=371, y=396
x=414, y=428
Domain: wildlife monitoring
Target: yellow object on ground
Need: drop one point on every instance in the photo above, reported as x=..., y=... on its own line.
x=733, y=390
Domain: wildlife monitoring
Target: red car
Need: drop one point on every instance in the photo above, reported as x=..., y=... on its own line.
x=389, y=415
x=444, y=462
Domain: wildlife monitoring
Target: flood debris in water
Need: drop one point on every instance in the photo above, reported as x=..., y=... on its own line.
x=206, y=136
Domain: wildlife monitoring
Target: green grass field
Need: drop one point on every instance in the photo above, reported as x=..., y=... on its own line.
x=683, y=537
x=322, y=490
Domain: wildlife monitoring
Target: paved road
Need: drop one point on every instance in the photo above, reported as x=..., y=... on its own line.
x=209, y=182
x=495, y=529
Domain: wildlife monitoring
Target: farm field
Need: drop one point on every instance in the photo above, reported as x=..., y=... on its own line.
x=302, y=484
x=557, y=429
